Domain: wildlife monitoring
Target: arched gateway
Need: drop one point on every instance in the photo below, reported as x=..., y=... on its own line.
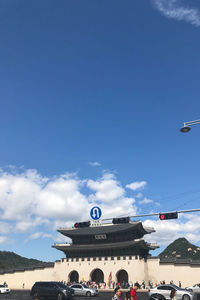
x=73, y=276
x=122, y=277
x=97, y=276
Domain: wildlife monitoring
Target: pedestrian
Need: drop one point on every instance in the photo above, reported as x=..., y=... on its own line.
x=173, y=294
x=117, y=294
x=143, y=284
x=128, y=294
x=133, y=291
x=150, y=284
x=121, y=296
x=179, y=284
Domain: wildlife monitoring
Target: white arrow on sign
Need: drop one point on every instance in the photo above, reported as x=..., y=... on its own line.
x=95, y=213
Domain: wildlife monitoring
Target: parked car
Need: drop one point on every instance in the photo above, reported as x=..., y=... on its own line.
x=51, y=290
x=84, y=290
x=4, y=289
x=195, y=288
x=165, y=290
x=157, y=297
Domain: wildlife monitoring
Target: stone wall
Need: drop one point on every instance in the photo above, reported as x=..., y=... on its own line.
x=137, y=269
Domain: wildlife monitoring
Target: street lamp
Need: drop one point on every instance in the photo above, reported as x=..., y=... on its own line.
x=186, y=125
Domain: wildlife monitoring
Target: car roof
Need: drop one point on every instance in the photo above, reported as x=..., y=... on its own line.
x=166, y=284
x=40, y=282
x=172, y=285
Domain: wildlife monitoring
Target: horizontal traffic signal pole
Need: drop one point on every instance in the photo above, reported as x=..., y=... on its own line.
x=160, y=213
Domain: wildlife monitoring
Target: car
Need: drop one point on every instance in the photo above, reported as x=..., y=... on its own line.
x=195, y=288
x=163, y=292
x=4, y=289
x=157, y=297
x=51, y=290
x=84, y=290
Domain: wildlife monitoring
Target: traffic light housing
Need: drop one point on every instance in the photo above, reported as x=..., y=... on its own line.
x=82, y=224
x=121, y=220
x=168, y=216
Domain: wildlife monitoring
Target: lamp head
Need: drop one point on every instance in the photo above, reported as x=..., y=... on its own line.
x=185, y=129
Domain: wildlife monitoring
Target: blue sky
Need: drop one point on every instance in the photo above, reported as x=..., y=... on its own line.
x=88, y=81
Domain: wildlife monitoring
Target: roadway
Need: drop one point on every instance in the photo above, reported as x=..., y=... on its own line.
x=25, y=295
x=103, y=295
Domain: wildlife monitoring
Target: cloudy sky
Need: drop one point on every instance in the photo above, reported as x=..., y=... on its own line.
x=92, y=97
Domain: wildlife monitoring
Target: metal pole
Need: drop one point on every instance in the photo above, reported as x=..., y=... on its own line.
x=157, y=214
x=192, y=122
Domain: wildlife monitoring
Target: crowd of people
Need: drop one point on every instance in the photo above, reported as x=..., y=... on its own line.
x=123, y=285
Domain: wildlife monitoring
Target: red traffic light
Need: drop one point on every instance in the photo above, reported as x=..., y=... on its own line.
x=82, y=224
x=162, y=217
x=168, y=216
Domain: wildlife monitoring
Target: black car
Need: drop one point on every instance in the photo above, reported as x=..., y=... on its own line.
x=51, y=290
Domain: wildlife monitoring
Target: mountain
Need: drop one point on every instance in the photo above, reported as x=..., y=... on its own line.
x=181, y=249
x=10, y=260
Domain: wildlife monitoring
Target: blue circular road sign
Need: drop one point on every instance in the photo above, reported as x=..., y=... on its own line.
x=95, y=213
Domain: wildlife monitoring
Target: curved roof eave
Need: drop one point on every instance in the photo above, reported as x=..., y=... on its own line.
x=137, y=243
x=108, y=229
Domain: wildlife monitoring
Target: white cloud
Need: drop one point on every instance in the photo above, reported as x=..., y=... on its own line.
x=5, y=228
x=34, y=202
x=23, y=226
x=111, y=196
x=5, y=240
x=107, y=188
x=174, y=9
x=61, y=198
x=95, y=164
x=139, y=195
x=37, y=235
x=136, y=185
x=145, y=201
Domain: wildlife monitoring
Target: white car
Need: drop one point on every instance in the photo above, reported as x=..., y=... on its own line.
x=195, y=288
x=163, y=292
x=4, y=289
x=83, y=290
